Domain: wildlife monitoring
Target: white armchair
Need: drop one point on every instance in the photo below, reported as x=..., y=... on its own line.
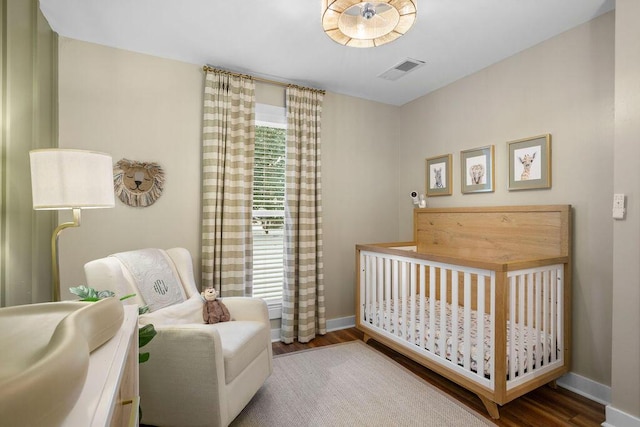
x=197, y=374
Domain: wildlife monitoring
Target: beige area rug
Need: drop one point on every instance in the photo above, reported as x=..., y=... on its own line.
x=350, y=384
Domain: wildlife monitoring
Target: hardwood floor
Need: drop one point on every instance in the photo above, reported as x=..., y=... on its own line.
x=544, y=407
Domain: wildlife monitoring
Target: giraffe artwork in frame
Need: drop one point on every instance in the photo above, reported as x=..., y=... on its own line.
x=530, y=163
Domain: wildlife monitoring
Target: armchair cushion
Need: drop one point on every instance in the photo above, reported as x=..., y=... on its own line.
x=242, y=342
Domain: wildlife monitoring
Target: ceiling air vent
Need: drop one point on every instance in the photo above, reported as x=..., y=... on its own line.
x=401, y=69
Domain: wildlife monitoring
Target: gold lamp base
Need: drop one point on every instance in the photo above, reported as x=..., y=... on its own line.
x=54, y=251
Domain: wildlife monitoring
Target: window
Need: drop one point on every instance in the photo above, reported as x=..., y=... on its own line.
x=268, y=206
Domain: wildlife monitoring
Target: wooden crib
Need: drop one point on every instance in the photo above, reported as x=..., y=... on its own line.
x=482, y=296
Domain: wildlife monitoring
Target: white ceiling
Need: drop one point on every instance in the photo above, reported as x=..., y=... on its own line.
x=283, y=39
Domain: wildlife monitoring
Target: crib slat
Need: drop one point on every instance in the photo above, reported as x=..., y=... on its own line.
x=363, y=278
x=381, y=285
x=553, y=319
x=432, y=308
x=492, y=329
x=422, y=305
x=538, y=326
x=387, y=294
x=374, y=290
x=454, y=317
x=480, y=323
x=396, y=295
x=559, y=321
x=467, y=322
x=512, y=321
x=545, y=314
x=367, y=290
x=521, y=323
x=413, y=299
x=403, y=299
x=443, y=313
x=528, y=328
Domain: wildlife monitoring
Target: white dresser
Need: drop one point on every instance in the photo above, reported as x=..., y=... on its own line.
x=110, y=395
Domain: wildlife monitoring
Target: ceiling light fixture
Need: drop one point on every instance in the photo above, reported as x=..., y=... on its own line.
x=367, y=24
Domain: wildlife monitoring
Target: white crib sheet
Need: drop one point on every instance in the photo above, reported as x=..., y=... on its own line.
x=521, y=335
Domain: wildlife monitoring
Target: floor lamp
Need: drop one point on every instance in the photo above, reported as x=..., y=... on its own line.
x=69, y=179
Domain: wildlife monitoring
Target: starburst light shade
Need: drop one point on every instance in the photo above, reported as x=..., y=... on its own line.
x=367, y=24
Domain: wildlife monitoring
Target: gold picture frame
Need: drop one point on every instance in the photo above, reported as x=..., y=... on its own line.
x=530, y=163
x=438, y=175
x=477, y=174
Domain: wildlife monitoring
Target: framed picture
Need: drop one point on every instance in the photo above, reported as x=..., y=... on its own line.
x=477, y=172
x=439, y=176
x=530, y=163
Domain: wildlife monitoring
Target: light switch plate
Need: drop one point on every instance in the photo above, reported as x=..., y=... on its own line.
x=618, y=206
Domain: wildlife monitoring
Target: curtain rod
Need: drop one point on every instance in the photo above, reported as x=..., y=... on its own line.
x=260, y=79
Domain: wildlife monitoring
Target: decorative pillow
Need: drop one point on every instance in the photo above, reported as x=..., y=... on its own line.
x=155, y=278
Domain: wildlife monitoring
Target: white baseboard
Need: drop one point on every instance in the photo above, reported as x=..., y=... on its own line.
x=275, y=335
x=341, y=323
x=617, y=418
x=586, y=387
x=332, y=325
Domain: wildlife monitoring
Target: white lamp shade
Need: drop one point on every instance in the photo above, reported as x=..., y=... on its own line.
x=67, y=179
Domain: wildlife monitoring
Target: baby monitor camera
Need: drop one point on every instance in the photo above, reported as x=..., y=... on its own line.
x=418, y=199
x=414, y=197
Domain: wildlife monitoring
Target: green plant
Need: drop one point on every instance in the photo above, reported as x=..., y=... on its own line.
x=89, y=294
x=145, y=333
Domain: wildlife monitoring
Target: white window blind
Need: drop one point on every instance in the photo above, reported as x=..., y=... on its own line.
x=268, y=205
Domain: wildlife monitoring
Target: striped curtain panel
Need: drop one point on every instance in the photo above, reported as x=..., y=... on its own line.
x=227, y=177
x=303, y=312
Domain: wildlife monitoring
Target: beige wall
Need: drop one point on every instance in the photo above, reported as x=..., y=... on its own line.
x=626, y=249
x=137, y=107
x=147, y=108
x=28, y=73
x=360, y=181
x=564, y=87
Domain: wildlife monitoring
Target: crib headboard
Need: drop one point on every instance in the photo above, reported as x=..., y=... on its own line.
x=494, y=234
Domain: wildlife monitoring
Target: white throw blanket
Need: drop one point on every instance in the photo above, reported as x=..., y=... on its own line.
x=188, y=312
x=154, y=277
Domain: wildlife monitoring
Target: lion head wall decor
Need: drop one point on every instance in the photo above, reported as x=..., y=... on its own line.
x=138, y=184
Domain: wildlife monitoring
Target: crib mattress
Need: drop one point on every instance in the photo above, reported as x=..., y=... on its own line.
x=522, y=335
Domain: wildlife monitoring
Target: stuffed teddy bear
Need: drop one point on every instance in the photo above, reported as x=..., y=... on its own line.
x=214, y=310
